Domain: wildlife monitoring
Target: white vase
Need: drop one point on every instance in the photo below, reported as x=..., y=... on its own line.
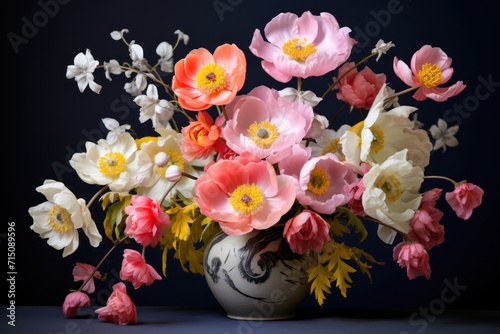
x=256, y=276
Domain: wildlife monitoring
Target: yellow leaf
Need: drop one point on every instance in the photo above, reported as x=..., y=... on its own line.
x=320, y=282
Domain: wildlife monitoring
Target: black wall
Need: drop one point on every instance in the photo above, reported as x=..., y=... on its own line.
x=46, y=120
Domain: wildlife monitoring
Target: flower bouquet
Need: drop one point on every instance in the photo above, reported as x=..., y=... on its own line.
x=222, y=160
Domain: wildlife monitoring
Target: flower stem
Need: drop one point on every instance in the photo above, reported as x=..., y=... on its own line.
x=97, y=194
x=455, y=183
x=101, y=262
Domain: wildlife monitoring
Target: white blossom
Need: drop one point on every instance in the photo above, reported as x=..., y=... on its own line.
x=159, y=111
x=381, y=48
x=166, y=61
x=82, y=70
x=117, y=35
x=443, y=135
x=114, y=128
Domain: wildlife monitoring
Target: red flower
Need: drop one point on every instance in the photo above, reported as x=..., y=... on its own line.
x=119, y=308
x=465, y=198
x=73, y=302
x=136, y=270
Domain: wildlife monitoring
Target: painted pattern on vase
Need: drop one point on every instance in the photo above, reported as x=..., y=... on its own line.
x=256, y=276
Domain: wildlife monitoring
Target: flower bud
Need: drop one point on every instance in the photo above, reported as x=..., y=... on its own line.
x=173, y=173
x=161, y=159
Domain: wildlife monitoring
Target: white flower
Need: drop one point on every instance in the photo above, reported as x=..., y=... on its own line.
x=113, y=164
x=59, y=218
x=159, y=111
x=165, y=51
x=292, y=95
x=137, y=85
x=391, y=194
x=416, y=123
x=382, y=47
x=329, y=142
x=112, y=67
x=114, y=128
x=384, y=133
x=183, y=36
x=158, y=185
x=82, y=71
x=443, y=135
x=117, y=35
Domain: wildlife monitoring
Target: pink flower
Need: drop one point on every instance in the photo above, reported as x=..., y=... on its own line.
x=136, y=270
x=465, y=198
x=430, y=68
x=425, y=227
x=305, y=46
x=202, y=137
x=306, y=231
x=356, y=201
x=414, y=257
x=244, y=194
x=73, y=302
x=324, y=183
x=119, y=308
x=146, y=222
x=359, y=89
x=264, y=123
x=82, y=271
x=202, y=79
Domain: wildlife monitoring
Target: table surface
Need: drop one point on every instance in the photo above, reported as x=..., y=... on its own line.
x=151, y=320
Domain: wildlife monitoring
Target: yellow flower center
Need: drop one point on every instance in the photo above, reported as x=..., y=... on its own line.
x=174, y=158
x=112, y=164
x=332, y=146
x=390, y=185
x=263, y=134
x=211, y=78
x=60, y=219
x=246, y=199
x=318, y=181
x=429, y=75
x=298, y=49
x=378, y=141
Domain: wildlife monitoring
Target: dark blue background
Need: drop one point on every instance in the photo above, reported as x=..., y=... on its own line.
x=47, y=119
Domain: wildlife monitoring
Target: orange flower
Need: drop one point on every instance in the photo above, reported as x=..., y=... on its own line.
x=202, y=137
x=202, y=80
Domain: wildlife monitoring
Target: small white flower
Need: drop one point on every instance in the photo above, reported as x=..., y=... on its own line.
x=117, y=35
x=159, y=111
x=59, y=218
x=382, y=47
x=114, y=128
x=293, y=95
x=183, y=36
x=137, y=85
x=443, y=135
x=416, y=123
x=82, y=70
x=113, y=67
x=165, y=51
